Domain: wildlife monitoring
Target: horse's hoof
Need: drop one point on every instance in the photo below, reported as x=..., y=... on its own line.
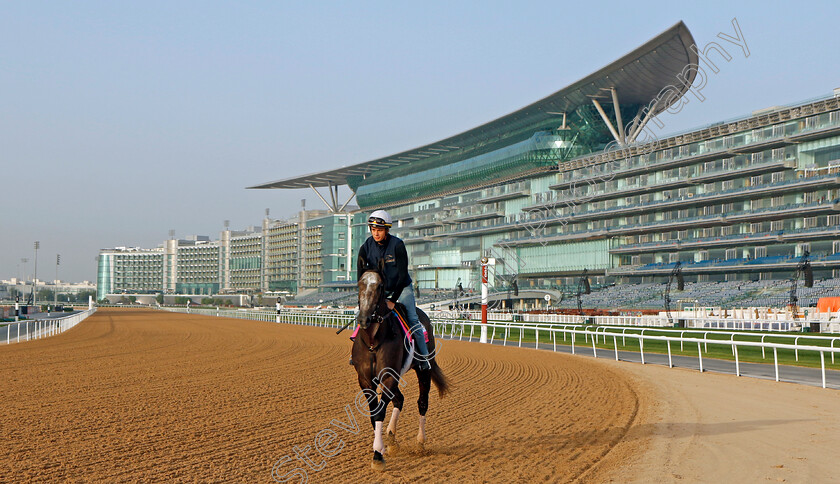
x=378, y=463
x=421, y=443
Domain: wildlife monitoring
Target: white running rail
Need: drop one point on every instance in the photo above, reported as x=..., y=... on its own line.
x=28, y=330
x=458, y=328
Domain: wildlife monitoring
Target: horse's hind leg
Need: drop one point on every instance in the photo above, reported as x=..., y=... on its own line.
x=425, y=380
x=391, y=434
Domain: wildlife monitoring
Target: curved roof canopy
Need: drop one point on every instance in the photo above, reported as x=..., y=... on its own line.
x=638, y=77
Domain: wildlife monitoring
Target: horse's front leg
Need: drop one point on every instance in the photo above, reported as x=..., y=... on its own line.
x=424, y=378
x=378, y=463
x=391, y=434
x=376, y=408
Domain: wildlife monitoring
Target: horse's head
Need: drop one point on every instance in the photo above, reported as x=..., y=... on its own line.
x=371, y=293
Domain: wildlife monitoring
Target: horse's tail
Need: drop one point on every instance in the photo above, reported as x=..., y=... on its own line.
x=440, y=380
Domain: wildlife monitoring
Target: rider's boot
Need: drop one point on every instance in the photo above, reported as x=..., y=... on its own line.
x=421, y=355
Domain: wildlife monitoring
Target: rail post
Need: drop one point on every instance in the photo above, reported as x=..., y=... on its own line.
x=615, y=345
x=642, y=348
x=822, y=367
x=700, y=357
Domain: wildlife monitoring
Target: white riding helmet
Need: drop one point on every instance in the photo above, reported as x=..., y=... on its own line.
x=380, y=218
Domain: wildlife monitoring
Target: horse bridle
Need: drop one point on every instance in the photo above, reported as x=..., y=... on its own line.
x=375, y=320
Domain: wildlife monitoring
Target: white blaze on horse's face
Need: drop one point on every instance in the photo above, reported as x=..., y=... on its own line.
x=368, y=297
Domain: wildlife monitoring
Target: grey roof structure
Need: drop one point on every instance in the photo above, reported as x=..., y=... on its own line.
x=638, y=77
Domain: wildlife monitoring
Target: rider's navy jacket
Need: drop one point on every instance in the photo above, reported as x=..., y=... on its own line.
x=392, y=251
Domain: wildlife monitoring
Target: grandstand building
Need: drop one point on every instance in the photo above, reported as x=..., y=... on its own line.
x=576, y=181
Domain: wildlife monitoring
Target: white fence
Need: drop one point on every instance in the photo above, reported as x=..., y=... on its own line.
x=457, y=328
x=502, y=331
x=41, y=328
x=655, y=320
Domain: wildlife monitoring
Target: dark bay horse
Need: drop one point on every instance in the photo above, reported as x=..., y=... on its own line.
x=381, y=355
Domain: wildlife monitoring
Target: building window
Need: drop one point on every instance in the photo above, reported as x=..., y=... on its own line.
x=755, y=180
x=729, y=164
x=802, y=248
x=777, y=177
x=731, y=254
x=810, y=222
x=777, y=225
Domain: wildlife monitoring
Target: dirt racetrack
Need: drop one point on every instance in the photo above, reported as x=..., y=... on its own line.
x=134, y=395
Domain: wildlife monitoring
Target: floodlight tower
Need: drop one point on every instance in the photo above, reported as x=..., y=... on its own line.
x=55, y=289
x=35, y=275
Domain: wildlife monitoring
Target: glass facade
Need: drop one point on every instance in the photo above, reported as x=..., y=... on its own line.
x=129, y=270
x=751, y=194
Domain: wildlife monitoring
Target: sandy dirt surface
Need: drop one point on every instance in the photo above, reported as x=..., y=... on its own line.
x=132, y=395
x=144, y=395
x=721, y=428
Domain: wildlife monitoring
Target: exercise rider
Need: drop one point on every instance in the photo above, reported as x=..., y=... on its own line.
x=381, y=245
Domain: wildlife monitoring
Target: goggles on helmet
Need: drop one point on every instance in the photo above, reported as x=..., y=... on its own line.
x=378, y=222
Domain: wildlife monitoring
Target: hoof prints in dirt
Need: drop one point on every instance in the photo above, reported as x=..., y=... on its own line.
x=149, y=395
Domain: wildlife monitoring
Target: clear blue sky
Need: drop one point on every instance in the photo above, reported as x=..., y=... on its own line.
x=122, y=120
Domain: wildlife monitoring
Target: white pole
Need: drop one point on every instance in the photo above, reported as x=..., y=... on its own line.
x=484, y=300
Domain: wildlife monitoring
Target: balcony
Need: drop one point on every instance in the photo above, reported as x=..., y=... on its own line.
x=640, y=228
x=761, y=264
x=743, y=193
x=470, y=215
x=507, y=192
x=668, y=184
x=641, y=168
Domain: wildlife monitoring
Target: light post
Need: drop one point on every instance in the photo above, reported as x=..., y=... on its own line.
x=55, y=290
x=24, y=261
x=35, y=275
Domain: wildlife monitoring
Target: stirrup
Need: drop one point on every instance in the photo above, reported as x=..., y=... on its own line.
x=422, y=364
x=351, y=361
